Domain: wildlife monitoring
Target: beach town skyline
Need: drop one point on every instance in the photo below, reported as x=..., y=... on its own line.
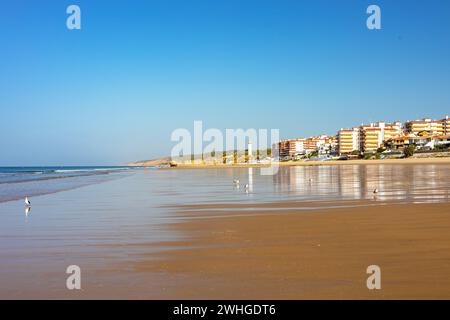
x=363, y=138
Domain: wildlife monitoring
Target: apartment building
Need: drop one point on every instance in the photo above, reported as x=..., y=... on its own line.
x=371, y=136
x=300, y=146
x=446, y=125
x=326, y=145
x=310, y=144
x=313, y=143
x=368, y=138
x=279, y=148
x=290, y=147
x=399, y=143
x=348, y=140
x=426, y=127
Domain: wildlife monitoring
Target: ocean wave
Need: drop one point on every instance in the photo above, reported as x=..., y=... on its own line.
x=44, y=177
x=29, y=174
x=73, y=170
x=51, y=183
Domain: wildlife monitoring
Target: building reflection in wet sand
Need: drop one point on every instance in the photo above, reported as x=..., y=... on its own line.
x=411, y=183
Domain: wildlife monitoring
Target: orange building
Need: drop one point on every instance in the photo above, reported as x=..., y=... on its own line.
x=290, y=147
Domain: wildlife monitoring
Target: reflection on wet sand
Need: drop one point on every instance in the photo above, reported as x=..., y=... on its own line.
x=250, y=179
x=414, y=183
x=27, y=211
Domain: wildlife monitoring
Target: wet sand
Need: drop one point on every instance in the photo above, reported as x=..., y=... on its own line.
x=304, y=233
x=320, y=254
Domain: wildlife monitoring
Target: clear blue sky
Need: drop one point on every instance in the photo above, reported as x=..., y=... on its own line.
x=114, y=91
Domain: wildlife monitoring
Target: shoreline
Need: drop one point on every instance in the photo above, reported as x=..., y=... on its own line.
x=443, y=160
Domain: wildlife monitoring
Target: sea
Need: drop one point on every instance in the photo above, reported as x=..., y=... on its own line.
x=18, y=182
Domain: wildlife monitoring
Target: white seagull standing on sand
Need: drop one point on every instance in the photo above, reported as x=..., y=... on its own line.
x=375, y=191
x=246, y=188
x=27, y=202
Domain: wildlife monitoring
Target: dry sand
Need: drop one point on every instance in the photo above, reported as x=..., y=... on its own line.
x=437, y=160
x=320, y=254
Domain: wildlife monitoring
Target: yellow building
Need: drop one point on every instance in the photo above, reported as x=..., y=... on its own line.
x=392, y=130
x=426, y=127
x=446, y=125
x=371, y=136
x=348, y=140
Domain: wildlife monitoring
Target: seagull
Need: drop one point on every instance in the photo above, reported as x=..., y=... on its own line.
x=310, y=179
x=246, y=188
x=236, y=181
x=27, y=202
x=375, y=191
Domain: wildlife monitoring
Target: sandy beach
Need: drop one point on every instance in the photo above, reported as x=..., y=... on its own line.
x=311, y=255
x=416, y=160
x=307, y=232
